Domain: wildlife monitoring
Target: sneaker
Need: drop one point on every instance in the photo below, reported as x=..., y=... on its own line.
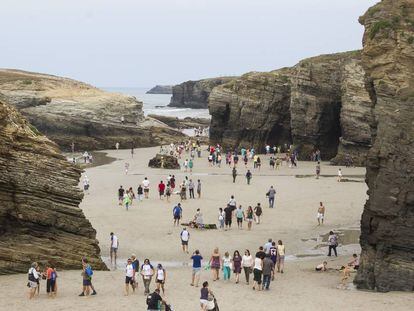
x=82, y=294
x=93, y=293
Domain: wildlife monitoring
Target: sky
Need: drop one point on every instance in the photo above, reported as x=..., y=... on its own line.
x=130, y=43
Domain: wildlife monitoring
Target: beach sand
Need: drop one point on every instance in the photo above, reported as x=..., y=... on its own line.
x=147, y=230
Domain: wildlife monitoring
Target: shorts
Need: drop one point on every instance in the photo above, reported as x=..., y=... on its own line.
x=249, y=219
x=239, y=220
x=32, y=284
x=50, y=285
x=146, y=190
x=114, y=249
x=87, y=282
x=129, y=280
x=227, y=222
x=196, y=270
x=320, y=216
x=159, y=281
x=281, y=259
x=161, y=192
x=177, y=217
x=257, y=276
x=121, y=198
x=204, y=302
x=184, y=242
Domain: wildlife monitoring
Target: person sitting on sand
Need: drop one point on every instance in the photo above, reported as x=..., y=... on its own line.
x=346, y=273
x=354, y=263
x=322, y=266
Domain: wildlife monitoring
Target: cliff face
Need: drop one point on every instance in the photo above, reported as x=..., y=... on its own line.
x=70, y=111
x=39, y=215
x=161, y=89
x=194, y=94
x=319, y=103
x=387, y=225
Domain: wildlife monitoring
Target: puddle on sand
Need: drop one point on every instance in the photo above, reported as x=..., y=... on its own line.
x=121, y=263
x=345, y=236
x=343, y=179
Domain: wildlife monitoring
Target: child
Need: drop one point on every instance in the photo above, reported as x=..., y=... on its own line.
x=322, y=266
x=226, y=266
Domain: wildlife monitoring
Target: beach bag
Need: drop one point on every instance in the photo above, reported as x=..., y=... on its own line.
x=207, y=267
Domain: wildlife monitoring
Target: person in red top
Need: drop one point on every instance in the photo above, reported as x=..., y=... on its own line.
x=51, y=281
x=161, y=189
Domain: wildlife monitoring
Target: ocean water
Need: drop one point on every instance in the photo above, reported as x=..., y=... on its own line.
x=157, y=103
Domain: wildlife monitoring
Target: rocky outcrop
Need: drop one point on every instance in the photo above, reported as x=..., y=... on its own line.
x=185, y=123
x=39, y=215
x=194, y=94
x=164, y=161
x=160, y=89
x=321, y=103
x=69, y=111
x=387, y=224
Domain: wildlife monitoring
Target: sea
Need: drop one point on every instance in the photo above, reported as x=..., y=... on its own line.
x=158, y=103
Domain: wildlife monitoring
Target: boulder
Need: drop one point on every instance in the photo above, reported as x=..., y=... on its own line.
x=164, y=161
x=160, y=89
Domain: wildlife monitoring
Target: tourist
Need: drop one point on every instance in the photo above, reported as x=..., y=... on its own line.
x=127, y=201
x=172, y=183
x=185, y=237
x=140, y=192
x=154, y=300
x=280, y=256
x=322, y=266
x=147, y=271
x=237, y=262
x=240, y=216
x=205, y=292
x=199, y=188
x=117, y=146
x=232, y=203
x=183, y=192
x=33, y=278
x=87, y=273
x=191, y=165
x=114, y=248
x=234, y=174
x=258, y=163
x=185, y=165
x=247, y=263
x=268, y=269
x=86, y=184
x=221, y=217
x=226, y=266
x=85, y=157
x=271, y=193
x=339, y=175
x=177, y=214
x=132, y=152
x=161, y=278
x=215, y=264
x=248, y=176
x=126, y=168
x=318, y=170
x=135, y=266
x=191, y=189
x=249, y=217
x=161, y=189
x=196, y=258
x=354, y=263
x=257, y=272
x=146, y=186
x=131, y=195
x=273, y=257
x=258, y=212
x=267, y=246
x=168, y=191
x=228, y=212
x=129, y=277
x=261, y=253
x=332, y=243
x=51, y=280
x=321, y=213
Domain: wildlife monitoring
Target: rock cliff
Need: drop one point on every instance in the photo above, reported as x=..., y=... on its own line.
x=194, y=94
x=319, y=103
x=161, y=89
x=39, y=215
x=69, y=111
x=387, y=225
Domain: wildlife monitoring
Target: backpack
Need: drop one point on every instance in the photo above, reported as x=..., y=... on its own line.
x=176, y=211
x=53, y=276
x=89, y=271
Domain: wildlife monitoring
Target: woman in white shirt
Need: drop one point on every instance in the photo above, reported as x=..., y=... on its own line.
x=257, y=273
x=161, y=277
x=129, y=276
x=147, y=271
x=280, y=256
x=33, y=279
x=247, y=264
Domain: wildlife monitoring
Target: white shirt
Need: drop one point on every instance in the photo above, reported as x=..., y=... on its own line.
x=146, y=183
x=247, y=261
x=226, y=261
x=185, y=235
x=129, y=271
x=160, y=274
x=267, y=247
x=146, y=270
x=232, y=202
x=34, y=272
x=114, y=242
x=258, y=264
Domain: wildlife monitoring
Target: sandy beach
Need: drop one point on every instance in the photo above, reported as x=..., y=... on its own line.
x=147, y=230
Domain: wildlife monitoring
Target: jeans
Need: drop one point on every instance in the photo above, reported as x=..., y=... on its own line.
x=226, y=273
x=147, y=283
x=266, y=281
x=332, y=247
x=191, y=193
x=271, y=202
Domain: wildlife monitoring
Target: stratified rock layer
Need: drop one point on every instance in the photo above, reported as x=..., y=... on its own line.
x=39, y=215
x=387, y=225
x=161, y=89
x=164, y=161
x=194, y=94
x=69, y=111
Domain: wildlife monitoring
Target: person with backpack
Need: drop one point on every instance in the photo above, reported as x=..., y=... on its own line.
x=154, y=301
x=33, y=277
x=87, y=273
x=50, y=280
x=177, y=214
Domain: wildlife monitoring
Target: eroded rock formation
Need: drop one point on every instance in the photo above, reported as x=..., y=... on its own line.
x=161, y=89
x=69, y=111
x=387, y=225
x=39, y=215
x=194, y=94
x=164, y=161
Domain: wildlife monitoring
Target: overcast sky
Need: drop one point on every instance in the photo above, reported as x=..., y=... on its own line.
x=148, y=42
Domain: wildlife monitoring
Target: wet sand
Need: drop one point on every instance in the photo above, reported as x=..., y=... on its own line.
x=147, y=230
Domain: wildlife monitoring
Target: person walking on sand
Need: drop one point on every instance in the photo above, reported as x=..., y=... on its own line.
x=161, y=189
x=228, y=212
x=161, y=278
x=204, y=293
x=221, y=217
x=273, y=257
x=86, y=184
x=332, y=243
x=268, y=269
x=140, y=192
x=240, y=216
x=168, y=192
x=234, y=174
x=117, y=146
x=249, y=217
x=87, y=273
x=196, y=258
x=280, y=256
x=51, y=280
x=258, y=212
x=126, y=168
x=247, y=264
x=248, y=176
x=321, y=213
x=177, y=214
x=146, y=186
x=114, y=248
x=257, y=273
x=33, y=277
x=121, y=192
x=147, y=271
x=215, y=264
x=237, y=262
x=127, y=201
x=199, y=188
x=227, y=266
x=135, y=266
x=318, y=170
x=185, y=237
x=191, y=165
x=129, y=277
x=271, y=193
x=339, y=175
x=191, y=189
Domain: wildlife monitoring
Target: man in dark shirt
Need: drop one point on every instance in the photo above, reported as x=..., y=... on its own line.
x=261, y=254
x=121, y=192
x=268, y=268
x=153, y=300
x=228, y=211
